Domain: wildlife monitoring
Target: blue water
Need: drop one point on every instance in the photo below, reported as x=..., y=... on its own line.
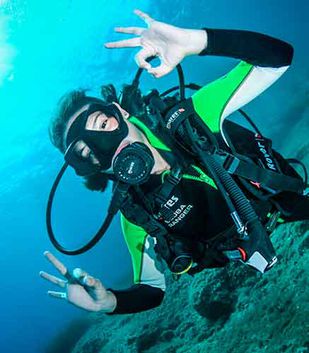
x=47, y=48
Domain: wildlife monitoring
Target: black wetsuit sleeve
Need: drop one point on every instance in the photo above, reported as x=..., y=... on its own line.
x=255, y=48
x=137, y=298
x=264, y=60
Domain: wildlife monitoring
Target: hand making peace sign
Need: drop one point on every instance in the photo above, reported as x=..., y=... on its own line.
x=80, y=288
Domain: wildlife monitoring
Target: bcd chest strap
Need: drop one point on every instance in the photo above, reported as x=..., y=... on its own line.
x=161, y=196
x=260, y=177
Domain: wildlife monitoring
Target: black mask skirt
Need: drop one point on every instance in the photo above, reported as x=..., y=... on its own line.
x=103, y=144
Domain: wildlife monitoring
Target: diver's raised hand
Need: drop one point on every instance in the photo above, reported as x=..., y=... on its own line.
x=169, y=43
x=80, y=288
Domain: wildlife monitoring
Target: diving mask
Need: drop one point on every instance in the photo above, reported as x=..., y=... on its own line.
x=102, y=144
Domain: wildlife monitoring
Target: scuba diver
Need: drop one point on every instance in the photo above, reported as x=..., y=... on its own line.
x=195, y=190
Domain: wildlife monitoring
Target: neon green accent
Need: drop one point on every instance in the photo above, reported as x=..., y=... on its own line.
x=164, y=174
x=209, y=102
x=204, y=178
x=185, y=270
x=135, y=237
x=280, y=220
x=154, y=141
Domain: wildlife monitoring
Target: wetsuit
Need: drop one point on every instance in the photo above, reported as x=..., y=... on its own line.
x=197, y=208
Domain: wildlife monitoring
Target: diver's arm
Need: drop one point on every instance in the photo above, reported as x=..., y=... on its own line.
x=264, y=60
x=149, y=288
x=254, y=48
x=149, y=282
x=137, y=298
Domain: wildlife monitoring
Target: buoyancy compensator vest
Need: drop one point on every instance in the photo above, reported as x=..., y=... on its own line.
x=180, y=128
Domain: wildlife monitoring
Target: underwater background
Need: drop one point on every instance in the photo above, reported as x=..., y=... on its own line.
x=50, y=47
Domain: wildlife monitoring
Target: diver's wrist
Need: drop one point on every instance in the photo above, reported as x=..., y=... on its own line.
x=196, y=41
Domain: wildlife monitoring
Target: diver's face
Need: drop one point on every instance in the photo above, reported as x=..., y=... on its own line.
x=98, y=121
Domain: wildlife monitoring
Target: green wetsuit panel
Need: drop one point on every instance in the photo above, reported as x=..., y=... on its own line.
x=135, y=237
x=151, y=137
x=209, y=102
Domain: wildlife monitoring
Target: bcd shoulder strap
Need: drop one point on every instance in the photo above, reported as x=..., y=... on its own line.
x=266, y=175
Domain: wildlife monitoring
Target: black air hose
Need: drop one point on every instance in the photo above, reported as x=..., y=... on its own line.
x=240, y=201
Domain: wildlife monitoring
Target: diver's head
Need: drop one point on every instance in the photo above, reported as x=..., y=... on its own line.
x=91, y=133
x=93, y=136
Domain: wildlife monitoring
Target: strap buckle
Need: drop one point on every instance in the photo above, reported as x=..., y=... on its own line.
x=272, y=222
x=231, y=163
x=174, y=177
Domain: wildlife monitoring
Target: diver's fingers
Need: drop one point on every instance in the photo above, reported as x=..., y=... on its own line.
x=126, y=43
x=60, y=295
x=80, y=275
x=145, y=17
x=141, y=57
x=95, y=286
x=93, y=282
x=130, y=30
x=53, y=279
x=54, y=261
x=160, y=71
x=87, y=280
